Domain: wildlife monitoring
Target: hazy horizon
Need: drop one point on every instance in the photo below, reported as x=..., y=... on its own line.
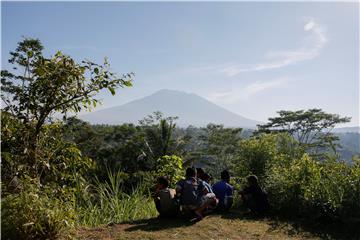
x=252, y=59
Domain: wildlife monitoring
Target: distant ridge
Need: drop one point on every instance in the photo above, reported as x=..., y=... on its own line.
x=347, y=130
x=190, y=108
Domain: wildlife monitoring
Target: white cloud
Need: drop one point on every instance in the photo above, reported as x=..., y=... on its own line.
x=246, y=92
x=278, y=59
x=308, y=26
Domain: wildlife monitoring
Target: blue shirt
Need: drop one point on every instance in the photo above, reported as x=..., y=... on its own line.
x=223, y=192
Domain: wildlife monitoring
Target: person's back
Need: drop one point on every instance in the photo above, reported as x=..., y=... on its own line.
x=164, y=198
x=223, y=191
x=169, y=207
x=191, y=191
x=254, y=197
x=208, y=187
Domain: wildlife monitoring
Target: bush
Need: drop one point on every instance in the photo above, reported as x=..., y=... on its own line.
x=328, y=190
x=33, y=213
x=39, y=197
x=257, y=154
x=170, y=166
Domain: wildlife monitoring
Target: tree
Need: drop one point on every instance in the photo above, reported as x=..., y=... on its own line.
x=159, y=137
x=311, y=128
x=38, y=87
x=219, y=147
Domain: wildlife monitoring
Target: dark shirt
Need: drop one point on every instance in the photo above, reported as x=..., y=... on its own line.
x=191, y=190
x=259, y=201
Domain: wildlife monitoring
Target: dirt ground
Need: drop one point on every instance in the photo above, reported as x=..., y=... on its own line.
x=229, y=226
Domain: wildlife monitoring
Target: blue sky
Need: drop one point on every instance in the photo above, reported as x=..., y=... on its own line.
x=251, y=58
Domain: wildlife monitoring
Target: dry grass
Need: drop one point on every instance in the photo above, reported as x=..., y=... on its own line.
x=230, y=226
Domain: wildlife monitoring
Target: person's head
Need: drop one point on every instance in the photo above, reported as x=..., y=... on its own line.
x=200, y=173
x=162, y=182
x=190, y=172
x=225, y=175
x=252, y=180
x=206, y=177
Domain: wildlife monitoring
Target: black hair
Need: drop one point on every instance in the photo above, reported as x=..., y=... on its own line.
x=206, y=177
x=225, y=175
x=163, y=181
x=200, y=170
x=190, y=172
x=253, y=180
x=200, y=173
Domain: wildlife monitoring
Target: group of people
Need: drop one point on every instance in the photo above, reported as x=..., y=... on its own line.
x=195, y=194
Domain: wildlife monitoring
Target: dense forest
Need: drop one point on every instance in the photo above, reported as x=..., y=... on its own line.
x=60, y=174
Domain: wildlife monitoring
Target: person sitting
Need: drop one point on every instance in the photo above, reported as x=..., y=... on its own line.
x=206, y=179
x=254, y=197
x=210, y=197
x=164, y=198
x=190, y=192
x=200, y=173
x=224, y=192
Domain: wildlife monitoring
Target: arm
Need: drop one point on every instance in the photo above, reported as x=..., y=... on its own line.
x=178, y=190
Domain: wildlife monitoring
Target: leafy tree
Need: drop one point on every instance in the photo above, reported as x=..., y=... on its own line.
x=159, y=138
x=39, y=86
x=219, y=147
x=312, y=128
x=113, y=148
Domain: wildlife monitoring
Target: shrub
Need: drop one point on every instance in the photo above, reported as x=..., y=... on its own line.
x=33, y=213
x=170, y=166
x=314, y=189
x=255, y=155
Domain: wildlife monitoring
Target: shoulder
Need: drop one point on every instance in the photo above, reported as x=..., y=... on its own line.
x=217, y=183
x=206, y=184
x=200, y=182
x=229, y=186
x=248, y=189
x=180, y=182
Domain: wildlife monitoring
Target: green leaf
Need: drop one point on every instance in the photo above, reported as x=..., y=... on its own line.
x=128, y=83
x=30, y=54
x=112, y=90
x=96, y=70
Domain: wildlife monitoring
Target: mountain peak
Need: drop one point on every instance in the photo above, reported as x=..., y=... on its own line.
x=170, y=92
x=191, y=109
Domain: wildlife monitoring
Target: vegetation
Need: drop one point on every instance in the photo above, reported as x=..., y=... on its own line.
x=106, y=202
x=59, y=175
x=311, y=128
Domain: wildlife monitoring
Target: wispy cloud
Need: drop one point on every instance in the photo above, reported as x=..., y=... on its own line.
x=278, y=59
x=246, y=92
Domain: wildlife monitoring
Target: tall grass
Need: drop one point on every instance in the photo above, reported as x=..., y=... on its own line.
x=106, y=202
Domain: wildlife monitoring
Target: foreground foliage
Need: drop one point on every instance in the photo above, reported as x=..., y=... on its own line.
x=36, y=214
x=106, y=202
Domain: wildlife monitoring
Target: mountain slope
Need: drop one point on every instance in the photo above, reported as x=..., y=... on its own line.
x=190, y=108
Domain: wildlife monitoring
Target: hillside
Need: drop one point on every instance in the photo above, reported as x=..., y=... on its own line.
x=229, y=226
x=347, y=130
x=350, y=144
x=190, y=108
x=212, y=227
